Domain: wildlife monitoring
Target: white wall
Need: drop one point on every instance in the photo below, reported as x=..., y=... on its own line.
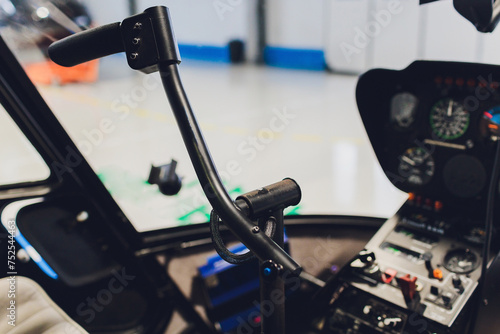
x=490, y=47
x=202, y=22
x=346, y=49
x=108, y=11
x=448, y=35
x=361, y=35
x=213, y=22
x=295, y=23
x=346, y=30
x=396, y=46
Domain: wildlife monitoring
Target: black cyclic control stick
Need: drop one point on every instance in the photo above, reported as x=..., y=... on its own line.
x=149, y=43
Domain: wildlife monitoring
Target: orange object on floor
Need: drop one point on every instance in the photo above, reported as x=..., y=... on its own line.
x=49, y=72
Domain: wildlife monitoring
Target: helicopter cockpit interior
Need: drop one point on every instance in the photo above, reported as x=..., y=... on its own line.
x=324, y=167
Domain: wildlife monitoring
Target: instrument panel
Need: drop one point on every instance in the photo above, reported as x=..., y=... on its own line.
x=433, y=127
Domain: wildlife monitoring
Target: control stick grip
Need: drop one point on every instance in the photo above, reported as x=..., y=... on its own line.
x=87, y=45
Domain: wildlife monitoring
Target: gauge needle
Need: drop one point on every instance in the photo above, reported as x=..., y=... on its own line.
x=408, y=160
x=450, y=108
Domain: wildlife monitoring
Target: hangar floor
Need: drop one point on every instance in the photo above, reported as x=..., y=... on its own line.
x=262, y=124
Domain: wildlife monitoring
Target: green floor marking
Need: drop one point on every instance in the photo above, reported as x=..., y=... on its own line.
x=293, y=210
x=206, y=209
x=125, y=185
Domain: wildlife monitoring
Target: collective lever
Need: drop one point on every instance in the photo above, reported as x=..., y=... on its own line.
x=408, y=287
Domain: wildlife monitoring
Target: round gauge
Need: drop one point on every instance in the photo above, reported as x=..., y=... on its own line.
x=464, y=176
x=490, y=123
x=495, y=114
x=460, y=261
x=403, y=109
x=449, y=119
x=416, y=165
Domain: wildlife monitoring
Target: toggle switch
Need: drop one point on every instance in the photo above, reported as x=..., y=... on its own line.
x=388, y=275
x=408, y=286
x=458, y=284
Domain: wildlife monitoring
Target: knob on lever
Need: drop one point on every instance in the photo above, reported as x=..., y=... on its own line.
x=363, y=259
x=435, y=273
x=427, y=257
x=365, y=267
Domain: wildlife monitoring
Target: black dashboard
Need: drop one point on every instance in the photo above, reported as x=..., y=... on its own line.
x=432, y=127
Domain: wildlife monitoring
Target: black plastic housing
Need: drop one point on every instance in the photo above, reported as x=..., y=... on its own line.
x=147, y=39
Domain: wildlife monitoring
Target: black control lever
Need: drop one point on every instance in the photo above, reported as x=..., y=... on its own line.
x=146, y=38
x=150, y=46
x=87, y=45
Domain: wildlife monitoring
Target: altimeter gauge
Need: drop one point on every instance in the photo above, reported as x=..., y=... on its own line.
x=449, y=119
